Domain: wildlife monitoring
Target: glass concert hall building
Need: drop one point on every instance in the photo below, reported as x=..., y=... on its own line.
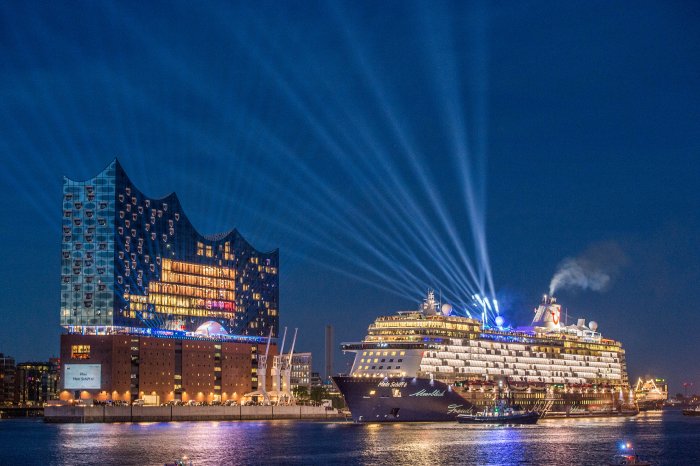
x=151, y=307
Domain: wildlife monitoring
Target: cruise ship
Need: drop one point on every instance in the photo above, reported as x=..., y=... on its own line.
x=431, y=365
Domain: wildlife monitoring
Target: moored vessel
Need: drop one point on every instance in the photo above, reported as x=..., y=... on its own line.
x=433, y=365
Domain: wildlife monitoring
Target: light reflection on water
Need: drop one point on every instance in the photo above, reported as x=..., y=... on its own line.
x=667, y=438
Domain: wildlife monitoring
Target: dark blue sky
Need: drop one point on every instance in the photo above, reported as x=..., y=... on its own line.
x=324, y=129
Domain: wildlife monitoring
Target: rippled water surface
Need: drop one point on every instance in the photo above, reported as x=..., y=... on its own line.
x=664, y=438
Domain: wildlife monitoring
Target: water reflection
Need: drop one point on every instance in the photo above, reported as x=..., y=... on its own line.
x=665, y=438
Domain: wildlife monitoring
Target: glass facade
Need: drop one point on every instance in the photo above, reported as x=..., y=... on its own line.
x=136, y=262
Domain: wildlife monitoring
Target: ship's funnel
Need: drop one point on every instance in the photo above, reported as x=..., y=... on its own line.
x=548, y=314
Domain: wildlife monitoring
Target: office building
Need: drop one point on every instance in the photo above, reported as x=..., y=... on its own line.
x=7, y=380
x=301, y=371
x=36, y=382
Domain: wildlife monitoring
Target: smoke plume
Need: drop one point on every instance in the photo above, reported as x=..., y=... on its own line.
x=593, y=270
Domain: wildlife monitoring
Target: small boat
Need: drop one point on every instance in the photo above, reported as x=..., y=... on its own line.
x=692, y=411
x=628, y=456
x=512, y=417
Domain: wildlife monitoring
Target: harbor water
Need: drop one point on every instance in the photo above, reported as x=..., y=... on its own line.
x=664, y=438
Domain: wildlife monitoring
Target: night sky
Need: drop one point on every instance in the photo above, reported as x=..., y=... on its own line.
x=350, y=135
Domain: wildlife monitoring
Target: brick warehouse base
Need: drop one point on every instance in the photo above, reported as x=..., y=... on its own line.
x=183, y=369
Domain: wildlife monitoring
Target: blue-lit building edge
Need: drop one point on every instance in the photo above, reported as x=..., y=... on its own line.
x=87, y=250
x=170, y=234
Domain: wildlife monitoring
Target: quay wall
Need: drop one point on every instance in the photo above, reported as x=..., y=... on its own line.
x=87, y=414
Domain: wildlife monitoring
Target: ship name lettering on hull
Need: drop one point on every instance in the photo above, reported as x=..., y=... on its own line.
x=424, y=392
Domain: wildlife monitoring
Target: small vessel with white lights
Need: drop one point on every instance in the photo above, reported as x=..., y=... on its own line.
x=432, y=365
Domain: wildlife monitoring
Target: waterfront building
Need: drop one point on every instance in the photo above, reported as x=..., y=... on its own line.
x=159, y=307
x=301, y=371
x=316, y=380
x=36, y=382
x=7, y=379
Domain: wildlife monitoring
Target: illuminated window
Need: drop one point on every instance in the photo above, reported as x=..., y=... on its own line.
x=200, y=249
x=210, y=252
x=80, y=352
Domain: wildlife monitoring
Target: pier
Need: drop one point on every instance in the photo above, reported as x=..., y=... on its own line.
x=90, y=414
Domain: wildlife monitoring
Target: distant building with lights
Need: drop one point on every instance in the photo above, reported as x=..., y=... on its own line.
x=37, y=382
x=160, y=308
x=7, y=380
x=301, y=371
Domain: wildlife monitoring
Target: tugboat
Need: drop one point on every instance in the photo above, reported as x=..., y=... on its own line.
x=507, y=417
x=692, y=411
x=503, y=412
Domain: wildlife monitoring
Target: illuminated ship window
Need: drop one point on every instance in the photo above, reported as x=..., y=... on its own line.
x=121, y=255
x=121, y=214
x=153, y=268
x=133, y=256
x=140, y=211
x=146, y=258
x=171, y=231
x=148, y=227
x=170, y=223
x=127, y=272
x=140, y=248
